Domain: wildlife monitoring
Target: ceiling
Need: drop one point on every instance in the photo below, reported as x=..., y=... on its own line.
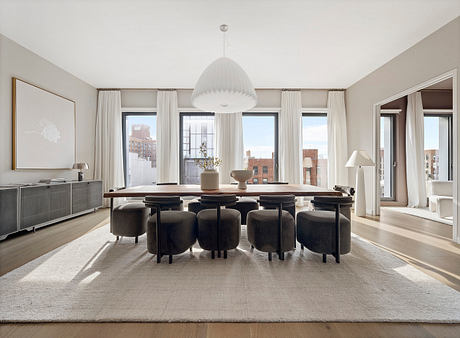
x=280, y=44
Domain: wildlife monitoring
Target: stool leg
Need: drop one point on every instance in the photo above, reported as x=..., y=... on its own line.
x=136, y=240
x=301, y=247
x=225, y=254
x=213, y=255
x=118, y=237
x=281, y=255
x=158, y=258
x=191, y=249
x=170, y=259
x=252, y=246
x=269, y=256
x=324, y=258
x=218, y=253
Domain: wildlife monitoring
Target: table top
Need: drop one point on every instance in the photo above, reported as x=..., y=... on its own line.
x=195, y=190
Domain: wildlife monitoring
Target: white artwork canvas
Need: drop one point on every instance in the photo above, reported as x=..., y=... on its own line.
x=44, y=128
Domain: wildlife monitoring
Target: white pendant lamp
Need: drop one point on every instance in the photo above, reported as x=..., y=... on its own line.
x=224, y=87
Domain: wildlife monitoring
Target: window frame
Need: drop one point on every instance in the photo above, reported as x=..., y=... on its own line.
x=450, y=157
x=393, y=157
x=124, y=115
x=276, y=145
x=314, y=114
x=181, y=138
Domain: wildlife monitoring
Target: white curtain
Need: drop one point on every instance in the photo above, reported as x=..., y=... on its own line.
x=415, y=156
x=290, y=133
x=167, y=137
x=108, y=152
x=337, y=148
x=229, y=142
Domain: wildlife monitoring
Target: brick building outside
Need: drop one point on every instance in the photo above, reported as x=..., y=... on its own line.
x=141, y=143
x=264, y=168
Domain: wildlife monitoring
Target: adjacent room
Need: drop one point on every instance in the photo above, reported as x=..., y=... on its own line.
x=229, y=168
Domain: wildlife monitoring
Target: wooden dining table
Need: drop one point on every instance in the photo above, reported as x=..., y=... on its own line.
x=195, y=190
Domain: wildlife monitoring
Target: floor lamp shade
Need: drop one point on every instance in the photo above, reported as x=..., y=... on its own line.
x=360, y=159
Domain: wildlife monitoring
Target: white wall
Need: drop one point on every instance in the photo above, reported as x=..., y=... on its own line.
x=431, y=57
x=17, y=61
x=266, y=98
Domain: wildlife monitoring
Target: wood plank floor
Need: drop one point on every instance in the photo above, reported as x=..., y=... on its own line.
x=422, y=243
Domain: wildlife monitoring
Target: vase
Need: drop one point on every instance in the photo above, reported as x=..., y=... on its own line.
x=242, y=176
x=209, y=180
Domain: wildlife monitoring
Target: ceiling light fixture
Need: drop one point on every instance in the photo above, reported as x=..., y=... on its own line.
x=224, y=87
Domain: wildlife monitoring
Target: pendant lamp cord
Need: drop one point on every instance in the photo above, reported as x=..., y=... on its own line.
x=223, y=29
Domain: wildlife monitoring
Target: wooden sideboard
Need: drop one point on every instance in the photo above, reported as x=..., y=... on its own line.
x=33, y=206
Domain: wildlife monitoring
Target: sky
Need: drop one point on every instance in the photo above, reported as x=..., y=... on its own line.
x=151, y=121
x=431, y=133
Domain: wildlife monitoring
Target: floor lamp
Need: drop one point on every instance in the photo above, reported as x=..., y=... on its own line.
x=360, y=159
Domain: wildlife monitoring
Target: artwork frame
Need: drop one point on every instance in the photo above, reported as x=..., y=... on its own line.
x=43, y=128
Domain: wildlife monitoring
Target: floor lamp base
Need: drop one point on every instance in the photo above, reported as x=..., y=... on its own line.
x=360, y=196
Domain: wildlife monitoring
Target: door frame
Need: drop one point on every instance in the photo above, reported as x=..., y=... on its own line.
x=375, y=210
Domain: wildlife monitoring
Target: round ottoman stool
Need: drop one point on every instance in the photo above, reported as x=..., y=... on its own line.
x=244, y=205
x=177, y=232
x=228, y=236
x=316, y=230
x=129, y=220
x=264, y=231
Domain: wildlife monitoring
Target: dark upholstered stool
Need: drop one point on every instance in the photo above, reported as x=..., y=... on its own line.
x=325, y=232
x=219, y=229
x=195, y=206
x=286, y=199
x=244, y=205
x=129, y=220
x=169, y=232
x=330, y=204
x=273, y=230
x=263, y=231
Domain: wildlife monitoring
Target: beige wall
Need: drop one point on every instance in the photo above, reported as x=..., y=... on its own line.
x=431, y=57
x=17, y=61
x=266, y=98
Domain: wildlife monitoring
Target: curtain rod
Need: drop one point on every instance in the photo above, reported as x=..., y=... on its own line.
x=172, y=89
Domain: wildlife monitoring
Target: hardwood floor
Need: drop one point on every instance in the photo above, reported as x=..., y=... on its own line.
x=223, y=330
x=422, y=243
x=25, y=246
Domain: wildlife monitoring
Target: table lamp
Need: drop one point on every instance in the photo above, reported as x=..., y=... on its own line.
x=360, y=159
x=80, y=166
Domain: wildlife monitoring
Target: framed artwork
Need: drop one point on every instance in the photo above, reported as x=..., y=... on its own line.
x=43, y=128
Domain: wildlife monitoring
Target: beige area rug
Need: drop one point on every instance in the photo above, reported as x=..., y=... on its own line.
x=95, y=278
x=423, y=213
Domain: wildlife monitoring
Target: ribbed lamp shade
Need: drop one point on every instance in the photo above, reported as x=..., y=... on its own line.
x=224, y=87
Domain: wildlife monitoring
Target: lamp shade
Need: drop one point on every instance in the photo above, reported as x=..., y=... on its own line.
x=80, y=166
x=359, y=158
x=224, y=87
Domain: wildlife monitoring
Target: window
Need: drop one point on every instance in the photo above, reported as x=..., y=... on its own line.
x=265, y=180
x=195, y=129
x=314, y=152
x=387, y=156
x=139, y=148
x=260, y=136
x=438, y=146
